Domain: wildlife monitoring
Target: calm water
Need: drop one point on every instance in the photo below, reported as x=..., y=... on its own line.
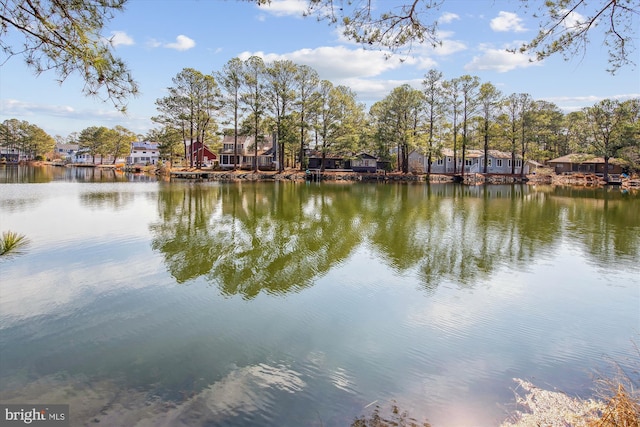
x=281, y=304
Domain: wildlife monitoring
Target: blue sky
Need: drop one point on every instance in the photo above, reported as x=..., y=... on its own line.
x=158, y=38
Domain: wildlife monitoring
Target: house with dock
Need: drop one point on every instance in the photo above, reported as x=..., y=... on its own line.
x=361, y=162
x=144, y=153
x=498, y=162
x=585, y=163
x=243, y=154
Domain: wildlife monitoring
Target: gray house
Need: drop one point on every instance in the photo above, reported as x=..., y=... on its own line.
x=498, y=162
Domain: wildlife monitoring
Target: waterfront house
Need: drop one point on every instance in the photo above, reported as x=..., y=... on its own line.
x=10, y=155
x=201, y=153
x=498, y=162
x=245, y=156
x=364, y=162
x=330, y=161
x=65, y=152
x=584, y=163
x=143, y=153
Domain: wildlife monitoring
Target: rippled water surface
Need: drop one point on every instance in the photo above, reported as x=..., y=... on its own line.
x=293, y=304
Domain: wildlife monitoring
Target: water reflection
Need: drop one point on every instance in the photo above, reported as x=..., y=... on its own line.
x=106, y=199
x=252, y=237
x=247, y=238
x=11, y=174
x=436, y=296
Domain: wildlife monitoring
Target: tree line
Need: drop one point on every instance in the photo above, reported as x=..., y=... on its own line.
x=33, y=143
x=303, y=112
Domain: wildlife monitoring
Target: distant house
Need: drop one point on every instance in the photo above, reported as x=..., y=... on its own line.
x=202, y=153
x=330, y=161
x=364, y=162
x=10, y=155
x=66, y=152
x=498, y=162
x=143, y=153
x=245, y=156
x=83, y=157
x=584, y=163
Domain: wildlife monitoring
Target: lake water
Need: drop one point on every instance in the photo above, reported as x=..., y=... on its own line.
x=152, y=303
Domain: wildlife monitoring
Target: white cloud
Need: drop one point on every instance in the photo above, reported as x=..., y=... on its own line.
x=507, y=21
x=14, y=107
x=575, y=103
x=448, y=17
x=447, y=46
x=286, y=7
x=574, y=21
x=56, y=119
x=333, y=63
x=182, y=43
x=358, y=69
x=500, y=60
x=153, y=43
x=120, y=38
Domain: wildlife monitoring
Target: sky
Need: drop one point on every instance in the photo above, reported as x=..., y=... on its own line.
x=159, y=38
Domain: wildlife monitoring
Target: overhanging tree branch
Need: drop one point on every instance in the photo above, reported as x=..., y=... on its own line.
x=66, y=37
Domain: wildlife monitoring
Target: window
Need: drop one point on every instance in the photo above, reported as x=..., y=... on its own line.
x=449, y=159
x=499, y=163
x=490, y=162
x=467, y=162
x=440, y=162
x=509, y=162
x=518, y=163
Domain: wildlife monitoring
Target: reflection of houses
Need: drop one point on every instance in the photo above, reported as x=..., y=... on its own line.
x=498, y=162
x=584, y=163
x=245, y=157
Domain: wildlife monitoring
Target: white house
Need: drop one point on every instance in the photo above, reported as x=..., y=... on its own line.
x=11, y=155
x=143, y=153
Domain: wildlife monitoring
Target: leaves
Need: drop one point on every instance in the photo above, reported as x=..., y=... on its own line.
x=65, y=37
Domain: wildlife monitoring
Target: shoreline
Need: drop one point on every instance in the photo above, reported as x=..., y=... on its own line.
x=577, y=179
x=546, y=177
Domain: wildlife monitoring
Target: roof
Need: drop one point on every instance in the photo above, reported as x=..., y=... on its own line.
x=67, y=147
x=144, y=145
x=497, y=154
x=471, y=154
x=365, y=156
x=582, y=158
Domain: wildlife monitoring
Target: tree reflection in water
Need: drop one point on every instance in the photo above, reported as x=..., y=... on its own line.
x=280, y=237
